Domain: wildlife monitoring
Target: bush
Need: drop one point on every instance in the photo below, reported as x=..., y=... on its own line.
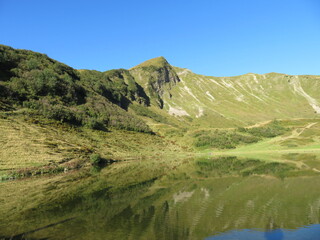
x=31, y=75
x=95, y=124
x=90, y=98
x=112, y=116
x=4, y=92
x=118, y=86
x=222, y=139
x=272, y=130
x=95, y=159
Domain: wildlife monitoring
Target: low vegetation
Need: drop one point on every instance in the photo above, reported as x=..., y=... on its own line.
x=229, y=139
x=221, y=139
x=34, y=145
x=146, y=112
x=271, y=130
x=54, y=90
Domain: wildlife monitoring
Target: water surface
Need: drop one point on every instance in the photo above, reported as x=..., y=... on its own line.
x=207, y=198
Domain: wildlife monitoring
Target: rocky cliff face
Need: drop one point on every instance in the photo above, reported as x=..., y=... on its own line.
x=158, y=77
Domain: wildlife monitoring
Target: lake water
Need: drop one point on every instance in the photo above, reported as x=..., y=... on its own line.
x=207, y=198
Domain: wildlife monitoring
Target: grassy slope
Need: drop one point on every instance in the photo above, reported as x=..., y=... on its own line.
x=36, y=142
x=303, y=136
x=300, y=146
x=245, y=99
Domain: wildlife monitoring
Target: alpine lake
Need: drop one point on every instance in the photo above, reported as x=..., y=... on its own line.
x=207, y=197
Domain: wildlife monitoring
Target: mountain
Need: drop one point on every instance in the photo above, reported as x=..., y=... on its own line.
x=158, y=77
x=245, y=99
x=175, y=93
x=167, y=105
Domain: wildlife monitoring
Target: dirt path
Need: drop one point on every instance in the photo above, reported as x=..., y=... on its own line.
x=296, y=133
x=260, y=124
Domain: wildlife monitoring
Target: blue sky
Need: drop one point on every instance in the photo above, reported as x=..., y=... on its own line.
x=210, y=37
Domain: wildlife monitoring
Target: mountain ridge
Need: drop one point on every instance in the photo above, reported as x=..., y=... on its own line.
x=178, y=92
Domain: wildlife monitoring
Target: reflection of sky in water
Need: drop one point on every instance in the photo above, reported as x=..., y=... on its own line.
x=276, y=234
x=311, y=232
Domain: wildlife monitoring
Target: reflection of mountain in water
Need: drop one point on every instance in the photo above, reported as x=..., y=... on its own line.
x=198, y=199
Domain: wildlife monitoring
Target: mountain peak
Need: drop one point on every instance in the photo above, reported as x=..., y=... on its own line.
x=156, y=62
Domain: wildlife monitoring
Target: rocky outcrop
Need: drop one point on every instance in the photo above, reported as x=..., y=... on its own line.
x=157, y=76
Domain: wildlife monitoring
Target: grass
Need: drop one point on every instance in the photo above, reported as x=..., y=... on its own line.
x=33, y=145
x=233, y=138
x=157, y=62
x=295, y=140
x=29, y=145
x=243, y=100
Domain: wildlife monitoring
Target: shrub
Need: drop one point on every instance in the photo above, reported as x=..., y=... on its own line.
x=222, y=139
x=272, y=130
x=95, y=159
x=90, y=98
x=93, y=123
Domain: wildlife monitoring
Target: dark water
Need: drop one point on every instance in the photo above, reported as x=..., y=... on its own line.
x=222, y=198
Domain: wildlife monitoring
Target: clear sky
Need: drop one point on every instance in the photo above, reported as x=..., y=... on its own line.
x=210, y=37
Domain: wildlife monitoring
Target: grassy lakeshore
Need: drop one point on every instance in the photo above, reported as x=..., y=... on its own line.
x=33, y=145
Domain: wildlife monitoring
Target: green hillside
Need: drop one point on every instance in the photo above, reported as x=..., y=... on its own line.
x=52, y=89
x=243, y=100
x=34, y=80
x=56, y=117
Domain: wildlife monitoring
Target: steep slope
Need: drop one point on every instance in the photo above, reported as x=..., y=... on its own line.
x=158, y=77
x=52, y=89
x=117, y=85
x=36, y=145
x=243, y=100
x=227, y=101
